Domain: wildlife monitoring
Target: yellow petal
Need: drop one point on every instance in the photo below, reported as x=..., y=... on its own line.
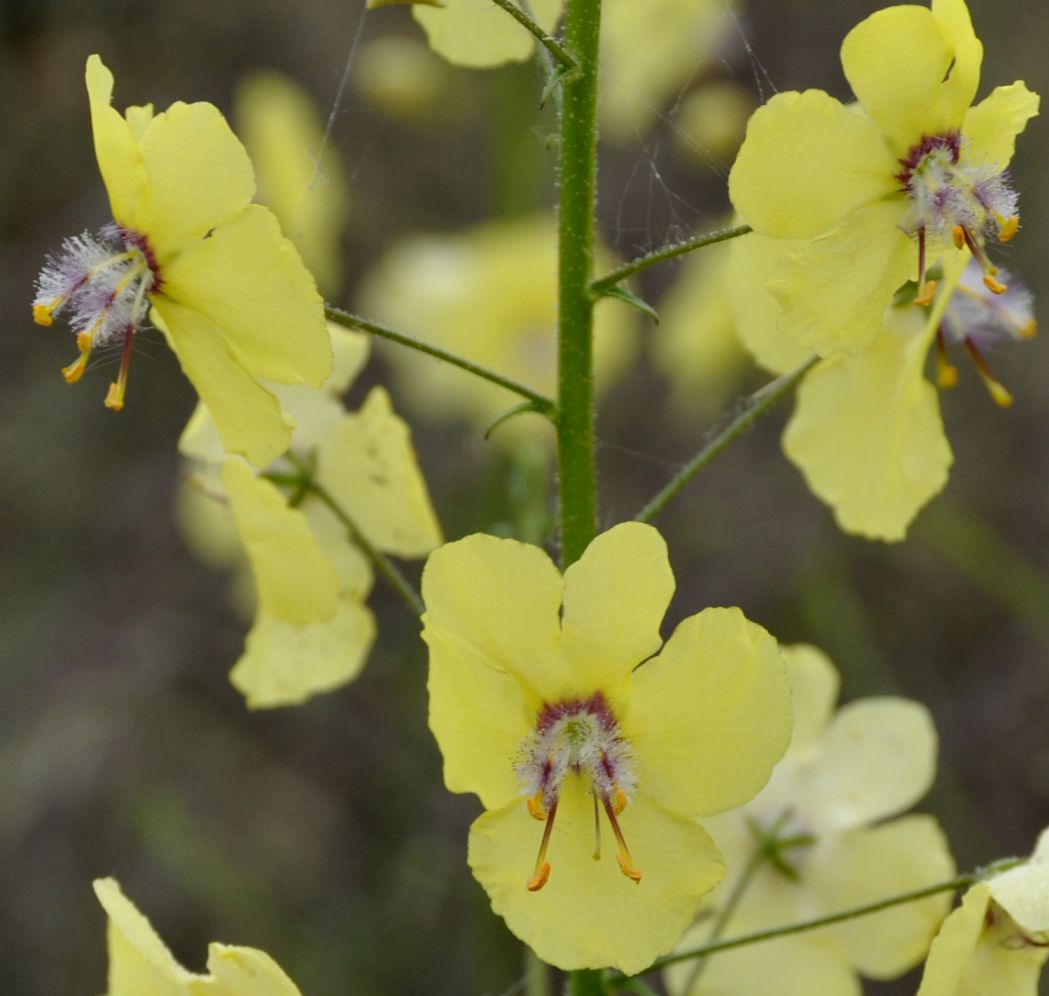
x=1023, y=892
x=249, y=281
x=198, y=172
x=868, y=436
x=477, y=33
x=877, y=758
x=808, y=162
x=503, y=599
x=286, y=663
x=814, y=685
x=139, y=962
x=200, y=438
x=710, y=716
x=299, y=174
x=867, y=865
x=991, y=127
x=296, y=583
x=138, y=118
x=615, y=598
x=119, y=157
x=479, y=715
x=834, y=291
x=247, y=416
x=590, y=915
x=754, y=262
x=352, y=566
x=350, y=351
x=368, y=465
x=246, y=972
x=790, y=966
x=914, y=73
x=954, y=946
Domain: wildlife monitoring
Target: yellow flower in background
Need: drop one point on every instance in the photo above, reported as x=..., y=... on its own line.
x=489, y=293
x=141, y=965
x=373, y=4
x=299, y=176
x=477, y=34
x=711, y=121
x=696, y=346
x=650, y=52
x=880, y=191
x=541, y=705
x=312, y=630
x=402, y=77
x=867, y=432
x=189, y=250
x=998, y=939
x=827, y=828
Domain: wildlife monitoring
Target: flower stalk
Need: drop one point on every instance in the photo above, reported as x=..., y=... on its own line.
x=578, y=184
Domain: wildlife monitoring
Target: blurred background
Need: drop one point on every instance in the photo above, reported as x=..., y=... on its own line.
x=323, y=834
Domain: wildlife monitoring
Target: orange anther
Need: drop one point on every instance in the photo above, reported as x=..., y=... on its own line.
x=619, y=801
x=1028, y=330
x=83, y=341
x=43, y=314
x=928, y=292
x=628, y=869
x=958, y=234
x=535, y=807
x=76, y=369
x=115, y=398
x=994, y=286
x=1007, y=228
x=539, y=879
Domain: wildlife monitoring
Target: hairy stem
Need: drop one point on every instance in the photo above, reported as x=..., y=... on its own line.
x=541, y=403
x=667, y=252
x=555, y=48
x=754, y=407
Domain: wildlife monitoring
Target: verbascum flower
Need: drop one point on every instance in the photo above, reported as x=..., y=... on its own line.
x=300, y=178
x=489, y=293
x=649, y=53
x=867, y=432
x=880, y=191
x=188, y=250
x=555, y=700
x=141, y=965
x=998, y=939
x=312, y=630
x=821, y=838
x=478, y=34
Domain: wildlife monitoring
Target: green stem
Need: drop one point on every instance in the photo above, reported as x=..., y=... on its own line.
x=578, y=184
x=753, y=408
x=541, y=403
x=557, y=50
x=667, y=252
x=536, y=975
x=386, y=567
x=757, y=859
x=951, y=885
x=586, y=982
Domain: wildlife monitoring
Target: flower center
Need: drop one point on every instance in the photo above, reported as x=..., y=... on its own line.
x=103, y=282
x=952, y=199
x=580, y=738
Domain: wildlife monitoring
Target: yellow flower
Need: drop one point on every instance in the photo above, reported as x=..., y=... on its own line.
x=312, y=630
x=696, y=347
x=489, y=293
x=998, y=939
x=880, y=188
x=866, y=430
x=188, y=249
x=822, y=825
x=650, y=52
x=300, y=178
x=478, y=34
x=540, y=707
x=141, y=965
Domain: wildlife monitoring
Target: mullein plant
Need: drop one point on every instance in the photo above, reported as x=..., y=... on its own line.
x=687, y=801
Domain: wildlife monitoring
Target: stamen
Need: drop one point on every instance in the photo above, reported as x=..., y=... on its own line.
x=597, y=831
x=535, y=807
x=1007, y=227
x=115, y=398
x=990, y=271
x=626, y=862
x=926, y=289
x=1001, y=396
x=958, y=234
x=1028, y=330
x=946, y=372
x=75, y=370
x=43, y=314
x=542, y=866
